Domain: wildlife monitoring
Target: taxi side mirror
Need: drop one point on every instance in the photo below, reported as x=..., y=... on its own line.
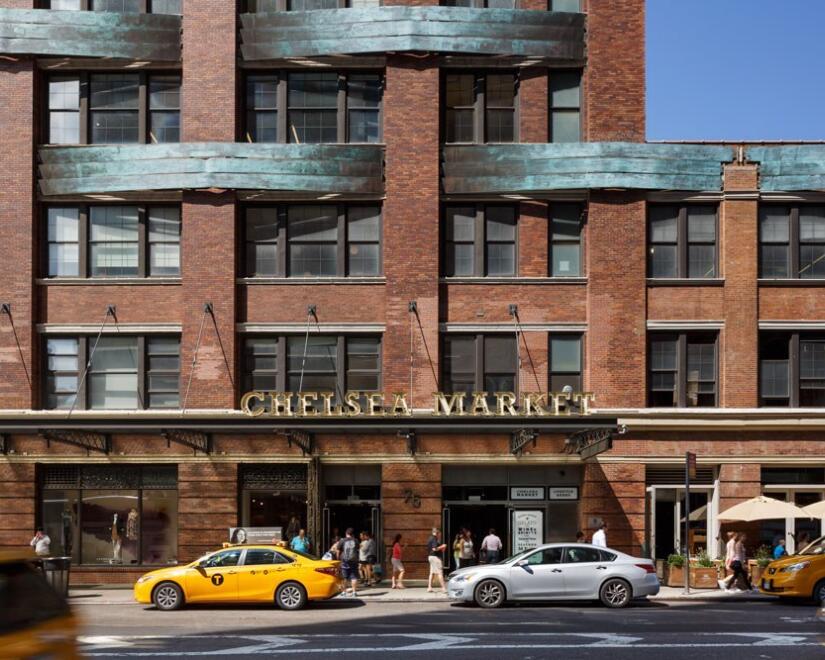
x=202, y=563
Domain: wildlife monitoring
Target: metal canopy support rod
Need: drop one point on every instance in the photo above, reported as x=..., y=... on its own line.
x=207, y=310
x=5, y=309
x=196, y=440
x=4, y=444
x=301, y=439
x=111, y=310
x=88, y=440
x=520, y=439
x=411, y=439
x=589, y=443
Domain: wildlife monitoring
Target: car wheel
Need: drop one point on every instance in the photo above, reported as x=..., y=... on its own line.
x=819, y=592
x=615, y=593
x=167, y=596
x=490, y=594
x=291, y=596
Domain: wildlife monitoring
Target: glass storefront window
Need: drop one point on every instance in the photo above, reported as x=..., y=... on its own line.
x=159, y=526
x=60, y=516
x=105, y=537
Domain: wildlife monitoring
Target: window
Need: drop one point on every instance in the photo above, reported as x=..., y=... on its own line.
x=111, y=514
x=485, y=363
x=314, y=107
x=479, y=4
x=792, y=242
x=124, y=373
x=480, y=240
x=792, y=369
x=113, y=241
x=566, y=222
x=545, y=557
x=480, y=107
x=565, y=362
x=682, y=370
x=317, y=363
x=121, y=6
x=565, y=106
x=317, y=240
x=106, y=108
x=566, y=5
x=578, y=555
x=259, y=558
x=306, y=5
x=224, y=558
x=682, y=242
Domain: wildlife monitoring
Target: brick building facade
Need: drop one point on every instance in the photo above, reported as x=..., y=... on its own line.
x=468, y=207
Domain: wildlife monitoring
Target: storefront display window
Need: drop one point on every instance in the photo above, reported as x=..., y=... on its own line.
x=113, y=515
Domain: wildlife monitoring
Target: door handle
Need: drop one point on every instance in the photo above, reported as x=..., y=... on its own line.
x=232, y=572
x=556, y=570
x=601, y=568
x=280, y=569
x=252, y=572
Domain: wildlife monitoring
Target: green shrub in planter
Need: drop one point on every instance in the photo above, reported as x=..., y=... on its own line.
x=703, y=561
x=763, y=556
x=676, y=561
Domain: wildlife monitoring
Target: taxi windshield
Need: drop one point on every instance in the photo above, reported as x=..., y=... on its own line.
x=815, y=548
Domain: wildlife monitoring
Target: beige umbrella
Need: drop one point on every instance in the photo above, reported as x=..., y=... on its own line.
x=762, y=508
x=816, y=510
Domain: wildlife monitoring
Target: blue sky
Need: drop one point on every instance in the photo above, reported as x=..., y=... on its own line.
x=736, y=69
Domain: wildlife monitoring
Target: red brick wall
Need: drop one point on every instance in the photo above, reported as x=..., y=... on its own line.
x=615, y=74
x=615, y=493
x=17, y=504
x=691, y=303
x=207, y=507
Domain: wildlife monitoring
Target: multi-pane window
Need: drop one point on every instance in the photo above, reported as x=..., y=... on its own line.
x=313, y=240
x=792, y=369
x=113, y=108
x=480, y=107
x=565, y=5
x=113, y=241
x=480, y=240
x=313, y=363
x=565, y=362
x=479, y=4
x=314, y=107
x=682, y=242
x=792, y=242
x=124, y=372
x=565, y=106
x=487, y=363
x=682, y=370
x=261, y=6
x=566, y=222
x=120, y=6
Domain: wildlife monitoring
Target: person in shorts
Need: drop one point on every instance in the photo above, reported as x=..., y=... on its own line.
x=397, y=564
x=435, y=549
x=366, y=557
x=347, y=552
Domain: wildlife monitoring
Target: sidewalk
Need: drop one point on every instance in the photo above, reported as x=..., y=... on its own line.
x=82, y=596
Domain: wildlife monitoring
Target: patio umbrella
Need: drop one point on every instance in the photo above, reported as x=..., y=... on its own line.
x=816, y=510
x=762, y=508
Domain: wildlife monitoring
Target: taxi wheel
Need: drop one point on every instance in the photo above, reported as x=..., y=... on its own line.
x=291, y=596
x=819, y=592
x=167, y=596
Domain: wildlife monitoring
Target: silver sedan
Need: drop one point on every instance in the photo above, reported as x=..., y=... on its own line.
x=558, y=571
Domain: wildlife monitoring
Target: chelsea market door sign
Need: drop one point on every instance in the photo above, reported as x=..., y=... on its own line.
x=528, y=530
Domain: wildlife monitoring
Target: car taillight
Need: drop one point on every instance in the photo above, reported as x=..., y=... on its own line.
x=330, y=570
x=649, y=568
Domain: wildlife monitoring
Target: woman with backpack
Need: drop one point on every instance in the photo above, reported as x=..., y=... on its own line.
x=397, y=565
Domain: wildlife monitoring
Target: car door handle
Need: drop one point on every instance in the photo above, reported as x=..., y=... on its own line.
x=280, y=569
x=252, y=572
x=556, y=570
x=601, y=568
x=232, y=572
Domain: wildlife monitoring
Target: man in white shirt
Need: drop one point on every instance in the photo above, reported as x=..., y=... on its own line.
x=492, y=545
x=41, y=543
x=600, y=537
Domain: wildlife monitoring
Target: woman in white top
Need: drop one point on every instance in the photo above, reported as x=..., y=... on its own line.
x=467, y=553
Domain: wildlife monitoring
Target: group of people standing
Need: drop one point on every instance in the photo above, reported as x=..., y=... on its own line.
x=465, y=553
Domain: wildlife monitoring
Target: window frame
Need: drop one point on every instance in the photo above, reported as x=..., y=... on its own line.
x=479, y=370
x=85, y=345
x=480, y=242
x=87, y=5
x=282, y=242
x=552, y=243
x=283, y=5
x=479, y=105
x=683, y=338
x=553, y=110
x=281, y=371
x=85, y=110
x=682, y=243
x=551, y=371
x=84, y=242
x=282, y=106
x=794, y=339
x=794, y=242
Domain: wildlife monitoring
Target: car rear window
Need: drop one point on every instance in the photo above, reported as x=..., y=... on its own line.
x=607, y=556
x=26, y=599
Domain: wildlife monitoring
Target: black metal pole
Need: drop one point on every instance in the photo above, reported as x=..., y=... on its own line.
x=686, y=539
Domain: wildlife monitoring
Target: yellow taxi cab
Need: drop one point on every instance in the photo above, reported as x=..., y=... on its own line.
x=799, y=576
x=35, y=622
x=243, y=574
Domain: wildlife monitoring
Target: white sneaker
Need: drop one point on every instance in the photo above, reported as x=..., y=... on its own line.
x=722, y=585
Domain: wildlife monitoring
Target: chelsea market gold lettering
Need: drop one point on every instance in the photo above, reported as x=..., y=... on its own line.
x=355, y=403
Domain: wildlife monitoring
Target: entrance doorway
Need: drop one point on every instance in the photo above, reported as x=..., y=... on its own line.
x=283, y=509
x=361, y=516
x=668, y=510
x=479, y=519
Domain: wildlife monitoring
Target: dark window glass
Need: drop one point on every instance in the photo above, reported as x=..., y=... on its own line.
x=701, y=372
x=480, y=241
x=682, y=241
x=792, y=241
x=167, y=7
x=314, y=370
x=113, y=241
x=313, y=107
x=113, y=374
x=793, y=475
x=363, y=240
x=565, y=5
x=499, y=364
x=579, y=555
x=500, y=101
x=62, y=372
x=701, y=230
x=261, y=364
x=607, y=556
x=262, y=242
x=500, y=240
x=663, y=371
x=164, y=109
x=262, y=6
x=363, y=106
x=565, y=106
x=64, y=242
x=546, y=557
x=262, y=108
x=812, y=372
x=775, y=369
x=164, y=241
x=259, y=558
x=565, y=247
x=775, y=241
x=486, y=363
x=114, y=108
x=121, y=6
x=460, y=101
x=682, y=370
x=479, y=107
x=313, y=237
x=812, y=242
x=461, y=221
x=308, y=5
x=363, y=364
x=158, y=526
x=565, y=362
x=64, y=110
x=163, y=372
x=664, y=223
x=459, y=364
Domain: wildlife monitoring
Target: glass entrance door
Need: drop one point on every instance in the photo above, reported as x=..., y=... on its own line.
x=284, y=509
x=364, y=516
x=667, y=525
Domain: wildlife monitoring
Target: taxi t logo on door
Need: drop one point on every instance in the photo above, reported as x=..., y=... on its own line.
x=217, y=579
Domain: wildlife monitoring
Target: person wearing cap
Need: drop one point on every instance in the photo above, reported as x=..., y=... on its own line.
x=435, y=548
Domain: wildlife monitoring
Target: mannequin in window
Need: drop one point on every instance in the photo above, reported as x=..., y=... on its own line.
x=132, y=525
x=116, y=540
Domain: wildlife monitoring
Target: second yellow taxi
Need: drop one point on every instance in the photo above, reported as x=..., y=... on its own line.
x=243, y=574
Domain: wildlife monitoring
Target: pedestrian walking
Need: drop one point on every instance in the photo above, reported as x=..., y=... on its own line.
x=347, y=552
x=739, y=574
x=397, y=564
x=435, y=550
x=301, y=542
x=491, y=546
x=779, y=550
x=730, y=556
x=367, y=557
x=467, y=554
x=600, y=536
x=41, y=543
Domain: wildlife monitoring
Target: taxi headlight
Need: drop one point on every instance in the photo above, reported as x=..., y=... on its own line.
x=793, y=568
x=146, y=578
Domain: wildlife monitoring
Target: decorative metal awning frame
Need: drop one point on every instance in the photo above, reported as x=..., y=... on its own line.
x=83, y=438
x=198, y=441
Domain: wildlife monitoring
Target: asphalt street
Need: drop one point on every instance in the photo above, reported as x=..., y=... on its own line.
x=762, y=630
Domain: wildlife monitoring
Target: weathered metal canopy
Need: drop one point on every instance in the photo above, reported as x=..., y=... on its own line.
x=535, y=168
x=545, y=34
x=790, y=167
x=49, y=32
x=322, y=168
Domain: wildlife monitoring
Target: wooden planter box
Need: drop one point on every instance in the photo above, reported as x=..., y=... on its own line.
x=704, y=578
x=675, y=576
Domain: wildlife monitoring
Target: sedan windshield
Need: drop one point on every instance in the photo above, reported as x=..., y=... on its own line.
x=815, y=548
